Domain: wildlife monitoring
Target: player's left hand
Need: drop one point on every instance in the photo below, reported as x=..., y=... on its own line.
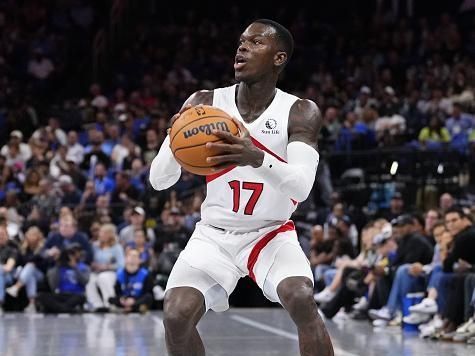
x=237, y=150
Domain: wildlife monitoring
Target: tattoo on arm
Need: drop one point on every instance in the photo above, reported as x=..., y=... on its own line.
x=305, y=122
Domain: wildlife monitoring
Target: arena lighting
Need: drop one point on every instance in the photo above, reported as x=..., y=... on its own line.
x=440, y=168
x=394, y=167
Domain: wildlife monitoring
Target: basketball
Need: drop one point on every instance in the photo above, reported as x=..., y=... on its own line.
x=193, y=130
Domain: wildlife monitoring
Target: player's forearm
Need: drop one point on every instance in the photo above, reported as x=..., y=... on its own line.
x=296, y=177
x=165, y=170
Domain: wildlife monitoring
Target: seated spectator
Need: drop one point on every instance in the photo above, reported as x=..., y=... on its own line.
x=133, y=289
x=70, y=195
x=137, y=221
x=459, y=125
x=102, y=183
x=32, y=267
x=412, y=248
x=16, y=151
x=67, y=235
x=108, y=257
x=435, y=136
x=8, y=260
x=435, y=301
x=95, y=153
x=459, y=262
x=75, y=151
x=144, y=248
x=67, y=282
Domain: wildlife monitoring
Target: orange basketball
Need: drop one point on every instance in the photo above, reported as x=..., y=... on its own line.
x=192, y=130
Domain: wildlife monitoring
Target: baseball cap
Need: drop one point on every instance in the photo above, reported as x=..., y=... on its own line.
x=401, y=220
x=381, y=238
x=175, y=211
x=17, y=134
x=138, y=210
x=65, y=179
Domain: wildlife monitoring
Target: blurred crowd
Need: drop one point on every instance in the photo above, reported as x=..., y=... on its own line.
x=80, y=226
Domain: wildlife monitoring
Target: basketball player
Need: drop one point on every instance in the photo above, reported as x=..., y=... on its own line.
x=261, y=175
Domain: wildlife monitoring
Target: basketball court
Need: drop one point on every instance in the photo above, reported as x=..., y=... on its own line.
x=237, y=332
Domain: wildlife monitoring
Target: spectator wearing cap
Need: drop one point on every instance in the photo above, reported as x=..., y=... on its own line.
x=412, y=248
x=16, y=151
x=70, y=195
x=137, y=221
x=67, y=235
x=364, y=101
x=108, y=257
x=67, y=281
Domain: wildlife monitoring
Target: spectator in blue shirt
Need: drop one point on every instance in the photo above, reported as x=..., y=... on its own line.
x=102, y=183
x=459, y=126
x=67, y=235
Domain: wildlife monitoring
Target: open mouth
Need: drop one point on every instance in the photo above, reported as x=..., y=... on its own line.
x=239, y=62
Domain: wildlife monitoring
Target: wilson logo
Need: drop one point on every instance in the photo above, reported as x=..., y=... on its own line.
x=207, y=129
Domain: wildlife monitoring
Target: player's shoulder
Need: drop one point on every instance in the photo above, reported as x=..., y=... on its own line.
x=305, y=107
x=204, y=97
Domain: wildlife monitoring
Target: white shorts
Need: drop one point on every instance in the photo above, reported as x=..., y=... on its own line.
x=214, y=260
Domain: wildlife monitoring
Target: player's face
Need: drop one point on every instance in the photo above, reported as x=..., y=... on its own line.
x=256, y=53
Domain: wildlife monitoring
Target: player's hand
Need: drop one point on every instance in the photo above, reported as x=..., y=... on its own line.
x=177, y=115
x=238, y=150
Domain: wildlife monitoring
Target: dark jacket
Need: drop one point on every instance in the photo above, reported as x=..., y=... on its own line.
x=61, y=243
x=463, y=247
x=413, y=248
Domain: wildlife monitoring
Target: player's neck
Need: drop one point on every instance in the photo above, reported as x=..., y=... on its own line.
x=253, y=99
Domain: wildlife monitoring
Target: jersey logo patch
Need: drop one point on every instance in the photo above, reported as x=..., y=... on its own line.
x=271, y=125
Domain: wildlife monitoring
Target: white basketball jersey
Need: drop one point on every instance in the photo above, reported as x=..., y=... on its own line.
x=238, y=199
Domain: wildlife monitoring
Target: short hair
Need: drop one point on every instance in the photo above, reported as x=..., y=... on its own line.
x=456, y=210
x=283, y=35
x=439, y=223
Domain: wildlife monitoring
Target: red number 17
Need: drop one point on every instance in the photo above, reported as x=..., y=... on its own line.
x=256, y=193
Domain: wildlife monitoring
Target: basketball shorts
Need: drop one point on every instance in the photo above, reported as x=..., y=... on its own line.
x=214, y=260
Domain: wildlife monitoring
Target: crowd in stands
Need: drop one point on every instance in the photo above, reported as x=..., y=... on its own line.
x=81, y=228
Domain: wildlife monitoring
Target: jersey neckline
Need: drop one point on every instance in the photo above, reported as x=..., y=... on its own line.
x=259, y=118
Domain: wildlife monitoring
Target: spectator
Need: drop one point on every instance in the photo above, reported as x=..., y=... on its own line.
x=412, y=248
x=108, y=257
x=102, y=183
x=32, y=267
x=16, y=151
x=75, y=150
x=40, y=67
x=144, y=248
x=134, y=285
x=124, y=194
x=137, y=222
x=435, y=135
x=67, y=235
x=70, y=195
x=8, y=260
x=446, y=202
x=67, y=281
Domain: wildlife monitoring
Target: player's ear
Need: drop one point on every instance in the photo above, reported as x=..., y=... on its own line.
x=280, y=59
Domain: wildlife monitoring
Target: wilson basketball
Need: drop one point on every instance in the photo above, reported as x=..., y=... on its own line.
x=193, y=130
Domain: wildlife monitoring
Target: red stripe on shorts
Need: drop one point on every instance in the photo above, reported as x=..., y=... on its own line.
x=254, y=255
